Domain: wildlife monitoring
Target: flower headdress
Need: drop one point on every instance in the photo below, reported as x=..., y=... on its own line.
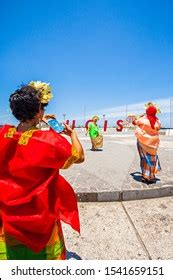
x=95, y=117
x=44, y=89
x=149, y=104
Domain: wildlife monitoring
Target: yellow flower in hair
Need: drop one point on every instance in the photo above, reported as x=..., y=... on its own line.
x=44, y=89
x=148, y=104
x=95, y=117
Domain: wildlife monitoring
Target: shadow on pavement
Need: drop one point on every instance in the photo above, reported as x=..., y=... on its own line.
x=72, y=255
x=97, y=150
x=138, y=177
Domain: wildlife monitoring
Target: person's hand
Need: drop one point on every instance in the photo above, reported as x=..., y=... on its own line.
x=47, y=117
x=134, y=121
x=67, y=130
x=142, y=115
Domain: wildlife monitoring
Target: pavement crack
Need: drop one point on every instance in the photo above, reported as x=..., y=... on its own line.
x=136, y=232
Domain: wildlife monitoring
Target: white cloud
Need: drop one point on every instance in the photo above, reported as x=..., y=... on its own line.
x=122, y=111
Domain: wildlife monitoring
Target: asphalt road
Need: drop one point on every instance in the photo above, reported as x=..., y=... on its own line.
x=116, y=168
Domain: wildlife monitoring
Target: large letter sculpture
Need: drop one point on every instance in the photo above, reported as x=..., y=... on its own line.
x=120, y=126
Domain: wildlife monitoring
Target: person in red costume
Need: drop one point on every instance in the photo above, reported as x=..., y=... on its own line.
x=34, y=197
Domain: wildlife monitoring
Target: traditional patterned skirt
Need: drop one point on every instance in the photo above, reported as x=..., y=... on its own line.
x=11, y=249
x=97, y=142
x=150, y=164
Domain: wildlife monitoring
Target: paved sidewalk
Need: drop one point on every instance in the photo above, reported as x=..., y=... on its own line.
x=139, y=230
x=114, y=173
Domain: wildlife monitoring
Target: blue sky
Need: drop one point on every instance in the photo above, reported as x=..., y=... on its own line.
x=97, y=54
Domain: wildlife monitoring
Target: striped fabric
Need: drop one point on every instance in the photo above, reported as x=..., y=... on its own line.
x=11, y=249
x=150, y=164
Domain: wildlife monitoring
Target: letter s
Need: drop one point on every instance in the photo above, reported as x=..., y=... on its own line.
x=119, y=123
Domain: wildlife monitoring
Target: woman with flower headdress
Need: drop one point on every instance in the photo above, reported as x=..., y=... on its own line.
x=94, y=133
x=147, y=133
x=34, y=198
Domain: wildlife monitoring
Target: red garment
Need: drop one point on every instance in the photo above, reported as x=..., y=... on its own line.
x=32, y=193
x=151, y=115
x=87, y=123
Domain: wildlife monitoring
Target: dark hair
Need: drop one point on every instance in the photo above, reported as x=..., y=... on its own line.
x=25, y=103
x=43, y=106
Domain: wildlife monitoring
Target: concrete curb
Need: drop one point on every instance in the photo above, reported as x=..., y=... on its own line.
x=124, y=195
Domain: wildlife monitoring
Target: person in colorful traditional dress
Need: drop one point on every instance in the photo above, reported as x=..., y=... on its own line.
x=94, y=133
x=34, y=197
x=147, y=133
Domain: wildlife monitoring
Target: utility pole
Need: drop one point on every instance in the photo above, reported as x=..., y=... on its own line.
x=64, y=115
x=84, y=115
x=104, y=119
x=126, y=110
x=171, y=112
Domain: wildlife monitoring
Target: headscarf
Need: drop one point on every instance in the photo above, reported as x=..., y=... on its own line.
x=151, y=112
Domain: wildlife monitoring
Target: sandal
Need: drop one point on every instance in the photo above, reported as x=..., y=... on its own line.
x=144, y=180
